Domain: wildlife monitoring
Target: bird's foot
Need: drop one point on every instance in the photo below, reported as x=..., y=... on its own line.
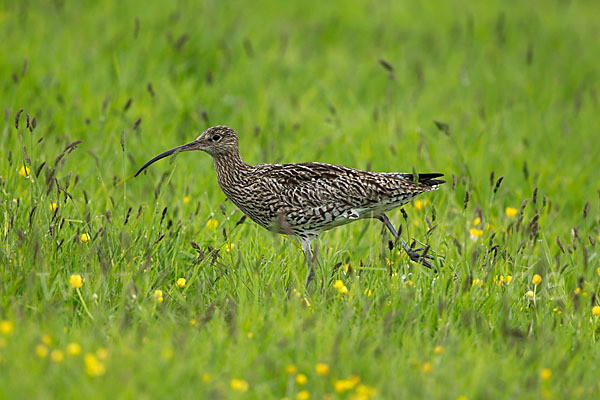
x=420, y=255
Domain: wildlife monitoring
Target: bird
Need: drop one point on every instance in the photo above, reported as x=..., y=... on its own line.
x=303, y=200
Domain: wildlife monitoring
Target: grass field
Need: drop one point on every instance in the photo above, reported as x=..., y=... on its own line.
x=91, y=301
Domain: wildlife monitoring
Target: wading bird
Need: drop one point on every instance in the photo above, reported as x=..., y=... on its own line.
x=305, y=199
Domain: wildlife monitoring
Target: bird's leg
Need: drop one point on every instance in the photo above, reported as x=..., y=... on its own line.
x=308, y=254
x=414, y=254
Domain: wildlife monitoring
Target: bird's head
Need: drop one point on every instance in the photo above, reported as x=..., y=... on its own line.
x=218, y=140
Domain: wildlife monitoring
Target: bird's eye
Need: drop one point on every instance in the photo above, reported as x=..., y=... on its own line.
x=216, y=138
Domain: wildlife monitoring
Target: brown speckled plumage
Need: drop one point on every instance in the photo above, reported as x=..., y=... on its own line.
x=305, y=199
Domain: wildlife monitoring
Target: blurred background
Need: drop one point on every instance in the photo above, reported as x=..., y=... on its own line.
x=501, y=97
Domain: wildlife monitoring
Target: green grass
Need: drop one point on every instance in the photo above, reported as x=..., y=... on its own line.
x=517, y=85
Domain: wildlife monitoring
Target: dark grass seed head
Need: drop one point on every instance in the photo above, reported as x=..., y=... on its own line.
x=17, y=116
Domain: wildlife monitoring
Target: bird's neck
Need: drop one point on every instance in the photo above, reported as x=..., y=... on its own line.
x=230, y=168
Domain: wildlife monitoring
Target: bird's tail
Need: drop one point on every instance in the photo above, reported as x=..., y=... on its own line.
x=428, y=179
x=424, y=179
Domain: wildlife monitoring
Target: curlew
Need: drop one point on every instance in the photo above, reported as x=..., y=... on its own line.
x=305, y=199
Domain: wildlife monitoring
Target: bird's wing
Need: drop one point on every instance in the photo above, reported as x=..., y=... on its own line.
x=317, y=183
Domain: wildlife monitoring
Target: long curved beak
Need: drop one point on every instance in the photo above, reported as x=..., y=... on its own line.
x=186, y=147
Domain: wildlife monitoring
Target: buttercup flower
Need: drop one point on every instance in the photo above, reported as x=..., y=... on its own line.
x=41, y=350
x=76, y=281
x=291, y=369
x=322, y=369
x=510, y=212
x=340, y=287
x=57, y=356
x=6, y=327
x=212, y=224
x=301, y=379
x=25, y=171
x=303, y=395
x=180, y=282
x=93, y=366
x=73, y=349
x=475, y=233
x=545, y=374
x=419, y=204
x=239, y=385
x=537, y=279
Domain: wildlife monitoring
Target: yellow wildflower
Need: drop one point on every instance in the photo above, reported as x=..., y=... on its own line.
x=545, y=374
x=93, y=366
x=510, y=211
x=340, y=287
x=462, y=397
x=530, y=293
x=508, y=279
x=578, y=290
x=57, y=356
x=158, y=295
x=477, y=282
x=47, y=340
x=343, y=385
x=598, y=270
x=239, y=385
x=438, y=350
x=229, y=246
x=368, y=292
x=477, y=221
x=419, y=204
x=206, y=377
x=303, y=395
x=76, y=281
x=596, y=310
x=25, y=171
x=475, y=233
x=6, y=327
x=301, y=379
x=53, y=206
x=84, y=237
x=73, y=349
x=250, y=335
x=364, y=392
x=426, y=367
x=212, y=224
x=193, y=322
x=41, y=350
x=291, y=369
x=322, y=369
x=537, y=279
x=186, y=199
x=180, y=282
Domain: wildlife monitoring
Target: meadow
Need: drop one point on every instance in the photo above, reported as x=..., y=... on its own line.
x=120, y=287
